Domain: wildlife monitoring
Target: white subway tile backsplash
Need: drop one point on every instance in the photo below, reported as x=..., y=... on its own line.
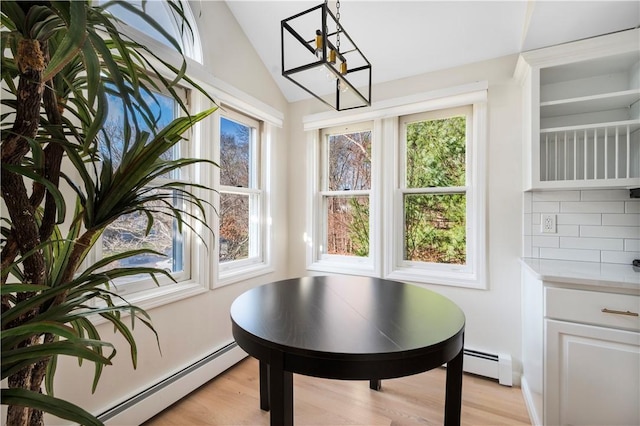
x=591, y=207
x=592, y=225
x=610, y=231
x=604, y=195
x=526, y=224
x=570, y=254
x=621, y=219
x=544, y=241
x=545, y=207
x=632, y=206
x=631, y=245
x=579, y=219
x=561, y=231
x=624, y=257
x=526, y=246
x=536, y=219
x=526, y=202
x=557, y=196
x=592, y=243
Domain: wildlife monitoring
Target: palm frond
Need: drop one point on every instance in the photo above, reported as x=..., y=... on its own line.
x=57, y=407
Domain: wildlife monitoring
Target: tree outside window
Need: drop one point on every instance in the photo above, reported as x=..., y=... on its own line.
x=240, y=196
x=434, y=203
x=346, y=193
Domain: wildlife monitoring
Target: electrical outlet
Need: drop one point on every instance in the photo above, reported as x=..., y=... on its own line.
x=548, y=223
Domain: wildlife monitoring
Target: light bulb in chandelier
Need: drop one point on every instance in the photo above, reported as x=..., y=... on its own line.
x=326, y=73
x=332, y=56
x=343, y=87
x=319, y=43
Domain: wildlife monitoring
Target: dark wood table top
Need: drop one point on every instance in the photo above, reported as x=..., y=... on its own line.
x=346, y=318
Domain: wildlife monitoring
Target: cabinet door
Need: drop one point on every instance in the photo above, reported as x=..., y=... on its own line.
x=592, y=375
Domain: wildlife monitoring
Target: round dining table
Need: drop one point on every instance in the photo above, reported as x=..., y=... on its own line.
x=349, y=328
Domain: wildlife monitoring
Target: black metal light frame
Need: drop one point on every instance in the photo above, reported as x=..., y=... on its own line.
x=323, y=60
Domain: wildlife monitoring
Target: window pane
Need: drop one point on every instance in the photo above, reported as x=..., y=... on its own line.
x=235, y=153
x=156, y=10
x=350, y=161
x=128, y=233
x=234, y=227
x=436, y=153
x=163, y=109
x=347, y=226
x=434, y=227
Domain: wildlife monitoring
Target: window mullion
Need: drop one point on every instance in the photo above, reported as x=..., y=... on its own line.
x=436, y=190
x=357, y=193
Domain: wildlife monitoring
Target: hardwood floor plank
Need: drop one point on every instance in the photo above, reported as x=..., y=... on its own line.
x=233, y=399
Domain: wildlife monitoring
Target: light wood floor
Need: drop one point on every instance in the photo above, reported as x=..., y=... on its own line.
x=233, y=399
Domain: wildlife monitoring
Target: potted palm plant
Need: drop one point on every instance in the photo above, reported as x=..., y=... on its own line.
x=60, y=62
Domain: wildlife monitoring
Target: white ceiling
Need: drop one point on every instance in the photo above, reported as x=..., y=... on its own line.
x=405, y=38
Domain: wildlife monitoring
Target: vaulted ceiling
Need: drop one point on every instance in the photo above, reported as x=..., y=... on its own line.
x=405, y=38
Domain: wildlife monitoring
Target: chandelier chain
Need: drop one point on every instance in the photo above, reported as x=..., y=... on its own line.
x=339, y=28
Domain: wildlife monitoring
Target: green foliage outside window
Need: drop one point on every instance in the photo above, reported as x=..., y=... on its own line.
x=435, y=222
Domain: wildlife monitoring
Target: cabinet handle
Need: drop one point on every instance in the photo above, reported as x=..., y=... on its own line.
x=613, y=311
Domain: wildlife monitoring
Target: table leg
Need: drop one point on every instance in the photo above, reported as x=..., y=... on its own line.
x=375, y=384
x=280, y=395
x=264, y=386
x=453, y=396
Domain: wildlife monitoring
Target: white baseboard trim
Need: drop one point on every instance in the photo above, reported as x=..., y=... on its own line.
x=534, y=416
x=156, y=398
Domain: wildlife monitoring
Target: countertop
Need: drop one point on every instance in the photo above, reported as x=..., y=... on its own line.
x=586, y=274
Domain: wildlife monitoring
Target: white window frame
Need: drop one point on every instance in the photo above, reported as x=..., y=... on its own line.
x=318, y=154
x=126, y=286
x=469, y=274
x=386, y=237
x=189, y=41
x=235, y=269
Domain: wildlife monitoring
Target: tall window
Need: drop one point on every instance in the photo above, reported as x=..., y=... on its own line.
x=434, y=186
x=241, y=195
x=346, y=192
x=343, y=204
x=130, y=232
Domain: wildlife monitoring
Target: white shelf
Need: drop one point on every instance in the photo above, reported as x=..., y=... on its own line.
x=633, y=126
x=586, y=104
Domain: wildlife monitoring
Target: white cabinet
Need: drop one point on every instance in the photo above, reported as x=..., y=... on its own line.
x=592, y=375
x=581, y=353
x=582, y=113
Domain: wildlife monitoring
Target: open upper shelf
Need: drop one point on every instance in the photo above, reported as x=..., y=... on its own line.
x=592, y=103
x=582, y=101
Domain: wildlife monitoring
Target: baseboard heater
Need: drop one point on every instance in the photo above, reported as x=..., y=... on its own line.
x=489, y=365
x=227, y=356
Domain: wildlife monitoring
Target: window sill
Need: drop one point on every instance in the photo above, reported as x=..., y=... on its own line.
x=233, y=276
x=349, y=268
x=465, y=280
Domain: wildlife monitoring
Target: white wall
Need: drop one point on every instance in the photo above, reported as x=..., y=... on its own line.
x=493, y=315
x=195, y=327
